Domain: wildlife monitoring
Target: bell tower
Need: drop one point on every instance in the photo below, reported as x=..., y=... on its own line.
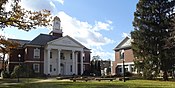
x=56, y=30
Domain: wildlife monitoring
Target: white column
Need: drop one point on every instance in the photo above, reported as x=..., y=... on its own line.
x=76, y=65
x=81, y=62
x=48, y=61
x=58, y=65
x=73, y=62
x=129, y=67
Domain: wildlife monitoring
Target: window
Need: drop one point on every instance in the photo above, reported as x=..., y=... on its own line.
x=50, y=55
x=83, y=57
x=36, y=53
x=121, y=55
x=120, y=70
x=70, y=68
x=71, y=56
x=50, y=68
x=62, y=56
x=84, y=67
x=36, y=68
x=126, y=69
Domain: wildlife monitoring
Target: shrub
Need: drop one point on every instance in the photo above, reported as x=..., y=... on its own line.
x=86, y=73
x=128, y=74
x=5, y=74
x=22, y=71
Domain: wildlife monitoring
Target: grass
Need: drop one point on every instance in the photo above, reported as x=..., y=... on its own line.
x=40, y=83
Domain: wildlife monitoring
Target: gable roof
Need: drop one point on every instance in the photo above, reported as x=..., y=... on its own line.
x=21, y=42
x=124, y=44
x=42, y=39
x=70, y=39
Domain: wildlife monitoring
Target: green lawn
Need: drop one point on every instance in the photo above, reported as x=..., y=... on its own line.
x=40, y=83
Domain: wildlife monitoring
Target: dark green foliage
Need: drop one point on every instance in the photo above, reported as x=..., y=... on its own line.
x=5, y=74
x=22, y=71
x=153, y=28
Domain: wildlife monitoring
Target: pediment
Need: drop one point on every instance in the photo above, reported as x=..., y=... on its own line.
x=125, y=43
x=65, y=41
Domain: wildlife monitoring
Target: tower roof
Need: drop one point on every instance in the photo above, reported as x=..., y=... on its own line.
x=57, y=18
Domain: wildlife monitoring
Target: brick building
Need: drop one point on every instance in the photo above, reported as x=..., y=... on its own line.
x=117, y=67
x=51, y=54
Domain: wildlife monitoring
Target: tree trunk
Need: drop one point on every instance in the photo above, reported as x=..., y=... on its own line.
x=165, y=76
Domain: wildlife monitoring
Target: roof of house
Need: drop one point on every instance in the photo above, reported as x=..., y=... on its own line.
x=42, y=39
x=21, y=42
x=124, y=44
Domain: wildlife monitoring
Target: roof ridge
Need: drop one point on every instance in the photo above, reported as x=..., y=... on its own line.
x=18, y=39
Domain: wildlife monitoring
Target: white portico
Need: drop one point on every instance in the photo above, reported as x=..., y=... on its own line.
x=61, y=57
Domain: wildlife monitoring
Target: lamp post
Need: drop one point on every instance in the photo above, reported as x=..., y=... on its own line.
x=122, y=57
x=19, y=56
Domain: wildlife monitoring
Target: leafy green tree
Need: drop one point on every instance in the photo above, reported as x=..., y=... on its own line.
x=22, y=18
x=153, y=28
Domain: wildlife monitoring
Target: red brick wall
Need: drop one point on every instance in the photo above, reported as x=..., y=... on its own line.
x=29, y=54
x=14, y=55
x=128, y=56
x=41, y=66
x=26, y=55
x=87, y=56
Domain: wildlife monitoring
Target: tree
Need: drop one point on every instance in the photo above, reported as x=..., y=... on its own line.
x=5, y=46
x=95, y=65
x=21, y=18
x=152, y=30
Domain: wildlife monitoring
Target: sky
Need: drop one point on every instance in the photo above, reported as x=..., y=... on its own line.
x=100, y=25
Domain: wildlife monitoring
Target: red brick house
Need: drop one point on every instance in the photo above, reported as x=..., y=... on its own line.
x=51, y=54
x=117, y=67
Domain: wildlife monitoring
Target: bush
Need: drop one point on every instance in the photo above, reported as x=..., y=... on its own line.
x=86, y=73
x=5, y=74
x=22, y=71
x=128, y=74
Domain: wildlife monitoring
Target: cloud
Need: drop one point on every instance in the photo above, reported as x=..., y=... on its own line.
x=61, y=1
x=83, y=31
x=2, y=33
x=40, y=5
x=102, y=26
x=125, y=35
x=88, y=34
x=104, y=55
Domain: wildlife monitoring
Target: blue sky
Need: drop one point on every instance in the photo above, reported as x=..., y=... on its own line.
x=98, y=24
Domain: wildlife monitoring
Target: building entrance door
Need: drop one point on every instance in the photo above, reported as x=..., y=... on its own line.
x=62, y=69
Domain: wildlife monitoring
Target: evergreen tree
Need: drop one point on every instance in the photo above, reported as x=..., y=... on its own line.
x=152, y=28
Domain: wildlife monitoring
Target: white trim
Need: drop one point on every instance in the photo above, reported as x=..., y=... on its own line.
x=86, y=63
x=80, y=45
x=126, y=63
x=15, y=62
x=35, y=61
x=34, y=45
x=81, y=61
